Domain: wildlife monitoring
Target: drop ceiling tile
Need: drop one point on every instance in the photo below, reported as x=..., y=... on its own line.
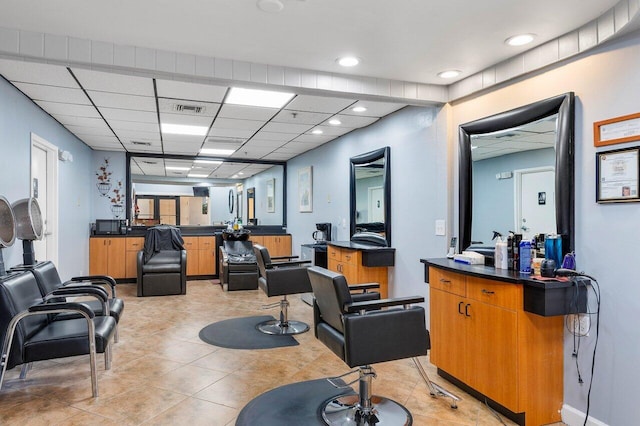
x=181, y=148
x=130, y=135
x=59, y=108
x=118, y=100
x=186, y=139
x=213, y=144
x=301, y=117
x=96, y=140
x=292, y=148
x=107, y=148
x=251, y=152
x=353, y=121
x=230, y=133
x=319, y=104
x=82, y=121
x=129, y=115
x=309, y=138
x=264, y=143
x=231, y=123
x=189, y=120
x=53, y=93
x=80, y=131
x=270, y=136
x=247, y=112
x=374, y=109
x=172, y=106
x=275, y=156
x=331, y=130
x=33, y=72
x=191, y=91
x=154, y=148
x=286, y=128
x=114, y=83
x=134, y=126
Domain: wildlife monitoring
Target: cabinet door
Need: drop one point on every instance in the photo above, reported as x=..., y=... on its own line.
x=98, y=256
x=133, y=246
x=258, y=239
x=116, y=257
x=206, y=256
x=283, y=245
x=448, y=333
x=491, y=352
x=193, y=261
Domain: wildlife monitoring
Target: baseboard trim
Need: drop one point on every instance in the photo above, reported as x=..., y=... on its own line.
x=574, y=417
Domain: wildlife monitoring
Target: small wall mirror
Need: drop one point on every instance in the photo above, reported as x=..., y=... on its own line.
x=371, y=195
x=516, y=173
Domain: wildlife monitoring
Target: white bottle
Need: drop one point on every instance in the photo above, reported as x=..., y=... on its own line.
x=501, y=255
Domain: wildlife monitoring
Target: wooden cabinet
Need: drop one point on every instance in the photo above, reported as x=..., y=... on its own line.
x=278, y=245
x=107, y=257
x=200, y=255
x=348, y=262
x=132, y=246
x=481, y=335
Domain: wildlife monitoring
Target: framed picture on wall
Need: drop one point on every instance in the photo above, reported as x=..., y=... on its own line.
x=271, y=196
x=305, y=189
x=618, y=175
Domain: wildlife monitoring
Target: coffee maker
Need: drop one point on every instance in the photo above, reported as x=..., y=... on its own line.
x=323, y=232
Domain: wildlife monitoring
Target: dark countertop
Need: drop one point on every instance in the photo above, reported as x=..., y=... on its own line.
x=489, y=272
x=195, y=231
x=357, y=246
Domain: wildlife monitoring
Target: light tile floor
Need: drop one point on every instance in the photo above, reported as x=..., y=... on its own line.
x=163, y=374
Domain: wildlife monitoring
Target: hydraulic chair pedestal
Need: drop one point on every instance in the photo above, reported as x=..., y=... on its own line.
x=282, y=326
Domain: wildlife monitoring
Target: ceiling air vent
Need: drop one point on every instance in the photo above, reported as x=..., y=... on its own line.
x=149, y=162
x=191, y=109
x=141, y=143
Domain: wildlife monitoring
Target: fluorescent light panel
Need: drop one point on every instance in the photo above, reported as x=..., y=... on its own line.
x=177, y=168
x=258, y=98
x=196, y=175
x=215, y=151
x=183, y=129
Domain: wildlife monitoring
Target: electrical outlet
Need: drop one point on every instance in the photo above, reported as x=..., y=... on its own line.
x=580, y=324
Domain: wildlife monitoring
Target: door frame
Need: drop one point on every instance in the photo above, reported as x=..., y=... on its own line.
x=370, y=191
x=51, y=228
x=517, y=191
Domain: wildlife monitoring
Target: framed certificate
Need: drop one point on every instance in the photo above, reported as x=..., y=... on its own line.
x=617, y=130
x=617, y=175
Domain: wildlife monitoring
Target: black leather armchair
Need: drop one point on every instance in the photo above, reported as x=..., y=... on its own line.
x=30, y=332
x=238, y=266
x=362, y=333
x=162, y=265
x=281, y=279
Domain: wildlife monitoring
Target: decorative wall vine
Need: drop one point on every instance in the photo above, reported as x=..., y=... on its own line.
x=115, y=195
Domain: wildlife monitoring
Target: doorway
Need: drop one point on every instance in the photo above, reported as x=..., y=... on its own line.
x=376, y=204
x=44, y=187
x=535, y=201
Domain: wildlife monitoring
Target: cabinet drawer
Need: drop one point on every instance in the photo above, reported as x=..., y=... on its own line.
x=334, y=253
x=448, y=281
x=350, y=257
x=134, y=243
x=504, y=295
x=206, y=243
x=190, y=243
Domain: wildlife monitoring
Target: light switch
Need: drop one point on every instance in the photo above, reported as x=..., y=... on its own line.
x=441, y=228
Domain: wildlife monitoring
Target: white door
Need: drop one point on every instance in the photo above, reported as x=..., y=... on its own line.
x=44, y=187
x=376, y=204
x=536, y=199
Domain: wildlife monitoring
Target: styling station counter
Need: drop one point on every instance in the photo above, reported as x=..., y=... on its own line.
x=361, y=263
x=499, y=335
x=116, y=255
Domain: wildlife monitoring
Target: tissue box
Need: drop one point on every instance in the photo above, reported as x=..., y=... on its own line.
x=469, y=257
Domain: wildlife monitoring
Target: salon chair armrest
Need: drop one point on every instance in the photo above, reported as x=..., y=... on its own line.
x=77, y=291
x=275, y=265
x=364, y=287
x=371, y=305
x=284, y=257
x=47, y=308
x=97, y=279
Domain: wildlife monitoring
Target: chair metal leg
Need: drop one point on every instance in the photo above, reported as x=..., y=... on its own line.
x=108, y=356
x=435, y=389
x=116, y=336
x=365, y=409
x=283, y=326
x=25, y=369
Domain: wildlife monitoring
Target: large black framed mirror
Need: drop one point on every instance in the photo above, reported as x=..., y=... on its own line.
x=527, y=130
x=370, y=195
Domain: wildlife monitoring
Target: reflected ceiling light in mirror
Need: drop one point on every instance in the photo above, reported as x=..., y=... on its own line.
x=183, y=169
x=335, y=122
x=258, y=98
x=198, y=175
x=216, y=151
x=207, y=161
x=316, y=131
x=520, y=39
x=359, y=109
x=183, y=129
x=348, y=61
x=449, y=74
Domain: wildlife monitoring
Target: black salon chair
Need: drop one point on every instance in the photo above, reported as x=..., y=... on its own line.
x=30, y=331
x=238, y=266
x=362, y=333
x=281, y=279
x=162, y=265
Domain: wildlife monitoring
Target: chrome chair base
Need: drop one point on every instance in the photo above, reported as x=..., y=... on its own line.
x=280, y=328
x=346, y=411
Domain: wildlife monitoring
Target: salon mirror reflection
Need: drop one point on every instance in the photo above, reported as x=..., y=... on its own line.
x=199, y=192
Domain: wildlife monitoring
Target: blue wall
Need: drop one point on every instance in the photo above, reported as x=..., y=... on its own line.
x=19, y=117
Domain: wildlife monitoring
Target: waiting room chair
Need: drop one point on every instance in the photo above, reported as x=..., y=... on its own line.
x=238, y=266
x=281, y=279
x=162, y=265
x=362, y=333
x=30, y=332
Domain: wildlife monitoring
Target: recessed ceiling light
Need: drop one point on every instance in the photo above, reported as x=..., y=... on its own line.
x=177, y=168
x=520, y=39
x=183, y=129
x=348, y=61
x=270, y=6
x=359, y=109
x=317, y=131
x=207, y=161
x=196, y=175
x=449, y=74
x=216, y=151
x=258, y=98
x=335, y=122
